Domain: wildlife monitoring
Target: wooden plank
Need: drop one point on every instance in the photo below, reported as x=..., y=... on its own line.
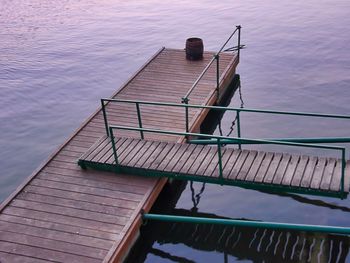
x=145, y=157
x=208, y=159
x=299, y=172
x=282, y=167
x=174, y=160
x=43, y=254
x=107, y=153
x=263, y=167
x=214, y=165
x=96, y=144
x=135, y=144
x=94, y=199
x=289, y=174
x=54, y=245
x=242, y=174
x=168, y=157
x=92, y=182
x=327, y=175
x=63, y=219
x=195, y=154
x=77, y=204
x=226, y=156
x=277, y=157
x=185, y=157
x=47, y=233
x=335, y=184
x=68, y=211
x=139, y=154
x=231, y=163
x=154, y=155
x=347, y=176
x=318, y=173
x=15, y=258
x=310, y=168
x=196, y=164
x=43, y=225
x=255, y=166
x=166, y=150
x=122, y=149
x=87, y=190
x=132, y=180
x=101, y=150
x=238, y=165
x=140, y=144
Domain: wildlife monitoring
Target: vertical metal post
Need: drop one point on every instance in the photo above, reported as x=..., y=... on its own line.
x=217, y=57
x=239, y=128
x=113, y=145
x=104, y=116
x=239, y=41
x=220, y=158
x=343, y=163
x=139, y=118
x=185, y=101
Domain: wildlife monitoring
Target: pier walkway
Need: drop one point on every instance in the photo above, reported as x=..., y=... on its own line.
x=220, y=165
x=62, y=213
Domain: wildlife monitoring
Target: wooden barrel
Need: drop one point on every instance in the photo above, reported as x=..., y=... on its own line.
x=194, y=48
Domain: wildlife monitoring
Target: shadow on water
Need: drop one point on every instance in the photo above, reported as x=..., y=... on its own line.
x=241, y=243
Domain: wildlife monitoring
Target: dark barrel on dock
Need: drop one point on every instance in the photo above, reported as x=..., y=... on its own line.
x=194, y=48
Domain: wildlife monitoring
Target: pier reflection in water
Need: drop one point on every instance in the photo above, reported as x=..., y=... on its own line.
x=164, y=241
x=161, y=239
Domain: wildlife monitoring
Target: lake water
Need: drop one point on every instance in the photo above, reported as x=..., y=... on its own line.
x=57, y=58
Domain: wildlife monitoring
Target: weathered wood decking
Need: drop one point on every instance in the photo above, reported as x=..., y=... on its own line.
x=248, y=168
x=65, y=214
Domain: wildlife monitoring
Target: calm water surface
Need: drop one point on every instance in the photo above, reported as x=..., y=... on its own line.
x=57, y=58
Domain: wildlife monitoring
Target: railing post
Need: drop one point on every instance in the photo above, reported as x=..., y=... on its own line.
x=239, y=41
x=113, y=145
x=139, y=118
x=343, y=163
x=104, y=116
x=220, y=158
x=185, y=101
x=217, y=57
x=239, y=128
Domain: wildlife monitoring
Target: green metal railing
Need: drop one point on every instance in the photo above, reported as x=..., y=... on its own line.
x=185, y=99
x=245, y=223
x=219, y=143
x=238, y=111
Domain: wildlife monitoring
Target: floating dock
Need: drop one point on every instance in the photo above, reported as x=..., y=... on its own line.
x=62, y=213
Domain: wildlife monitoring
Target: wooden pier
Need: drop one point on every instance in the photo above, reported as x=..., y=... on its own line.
x=62, y=213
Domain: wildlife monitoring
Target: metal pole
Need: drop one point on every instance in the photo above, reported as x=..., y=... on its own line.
x=239, y=128
x=256, y=224
x=239, y=41
x=298, y=140
x=220, y=158
x=113, y=145
x=104, y=116
x=217, y=57
x=185, y=100
x=343, y=163
x=139, y=118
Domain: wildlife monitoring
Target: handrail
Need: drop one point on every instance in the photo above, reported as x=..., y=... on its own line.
x=220, y=108
x=307, y=114
x=185, y=99
x=220, y=143
x=246, y=223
